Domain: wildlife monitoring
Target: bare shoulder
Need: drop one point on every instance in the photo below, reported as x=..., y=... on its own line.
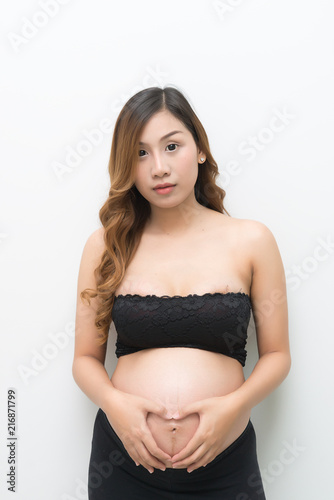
x=258, y=235
x=263, y=253
x=95, y=244
x=96, y=238
x=253, y=239
x=91, y=257
x=251, y=231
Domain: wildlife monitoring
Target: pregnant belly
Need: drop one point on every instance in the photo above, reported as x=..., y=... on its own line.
x=175, y=377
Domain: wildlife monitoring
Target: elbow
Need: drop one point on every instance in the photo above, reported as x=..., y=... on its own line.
x=285, y=364
x=75, y=369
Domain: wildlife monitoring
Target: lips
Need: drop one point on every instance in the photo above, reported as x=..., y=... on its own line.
x=161, y=186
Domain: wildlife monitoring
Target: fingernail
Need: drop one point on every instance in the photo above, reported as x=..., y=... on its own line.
x=151, y=471
x=190, y=470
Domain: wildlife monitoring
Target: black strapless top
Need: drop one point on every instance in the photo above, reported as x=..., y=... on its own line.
x=215, y=322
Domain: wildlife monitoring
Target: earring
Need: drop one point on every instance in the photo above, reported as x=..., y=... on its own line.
x=202, y=159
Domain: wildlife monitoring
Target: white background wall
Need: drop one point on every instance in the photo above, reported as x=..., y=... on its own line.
x=239, y=63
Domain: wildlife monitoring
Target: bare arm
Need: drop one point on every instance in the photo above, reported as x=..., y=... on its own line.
x=126, y=412
x=269, y=303
x=88, y=364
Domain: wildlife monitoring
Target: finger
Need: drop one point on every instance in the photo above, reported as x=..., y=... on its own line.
x=158, y=409
x=149, y=461
x=142, y=452
x=140, y=460
x=202, y=462
x=149, y=468
x=188, y=450
x=158, y=453
x=153, y=448
x=192, y=459
x=187, y=410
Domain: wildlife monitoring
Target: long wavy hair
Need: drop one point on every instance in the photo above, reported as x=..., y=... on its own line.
x=126, y=211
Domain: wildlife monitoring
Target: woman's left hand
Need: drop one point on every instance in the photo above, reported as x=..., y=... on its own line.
x=217, y=417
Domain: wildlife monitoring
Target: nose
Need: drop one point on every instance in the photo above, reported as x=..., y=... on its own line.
x=160, y=166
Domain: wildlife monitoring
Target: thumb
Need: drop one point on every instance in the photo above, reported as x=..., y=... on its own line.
x=158, y=409
x=187, y=410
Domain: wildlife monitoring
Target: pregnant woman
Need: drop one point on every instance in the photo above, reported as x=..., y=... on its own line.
x=179, y=277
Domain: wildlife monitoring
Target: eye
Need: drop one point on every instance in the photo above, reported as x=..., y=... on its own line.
x=169, y=145
x=142, y=151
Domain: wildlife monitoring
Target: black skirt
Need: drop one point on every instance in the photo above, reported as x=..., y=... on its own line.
x=233, y=474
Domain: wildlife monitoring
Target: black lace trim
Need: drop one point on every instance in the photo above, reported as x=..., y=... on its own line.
x=136, y=295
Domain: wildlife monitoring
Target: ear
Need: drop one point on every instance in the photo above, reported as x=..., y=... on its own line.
x=200, y=154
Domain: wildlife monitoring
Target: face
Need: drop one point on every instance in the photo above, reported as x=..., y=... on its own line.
x=173, y=159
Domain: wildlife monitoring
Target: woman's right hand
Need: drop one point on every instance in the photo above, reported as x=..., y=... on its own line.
x=127, y=415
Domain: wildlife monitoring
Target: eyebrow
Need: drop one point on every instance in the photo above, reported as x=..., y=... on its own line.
x=164, y=137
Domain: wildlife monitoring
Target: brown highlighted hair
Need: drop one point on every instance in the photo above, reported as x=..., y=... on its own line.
x=126, y=211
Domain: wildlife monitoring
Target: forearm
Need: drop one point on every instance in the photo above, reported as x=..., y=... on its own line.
x=93, y=379
x=268, y=373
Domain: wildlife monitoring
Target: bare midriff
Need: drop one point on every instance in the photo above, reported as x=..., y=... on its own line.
x=176, y=376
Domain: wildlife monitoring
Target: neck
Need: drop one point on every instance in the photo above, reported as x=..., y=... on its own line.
x=175, y=220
